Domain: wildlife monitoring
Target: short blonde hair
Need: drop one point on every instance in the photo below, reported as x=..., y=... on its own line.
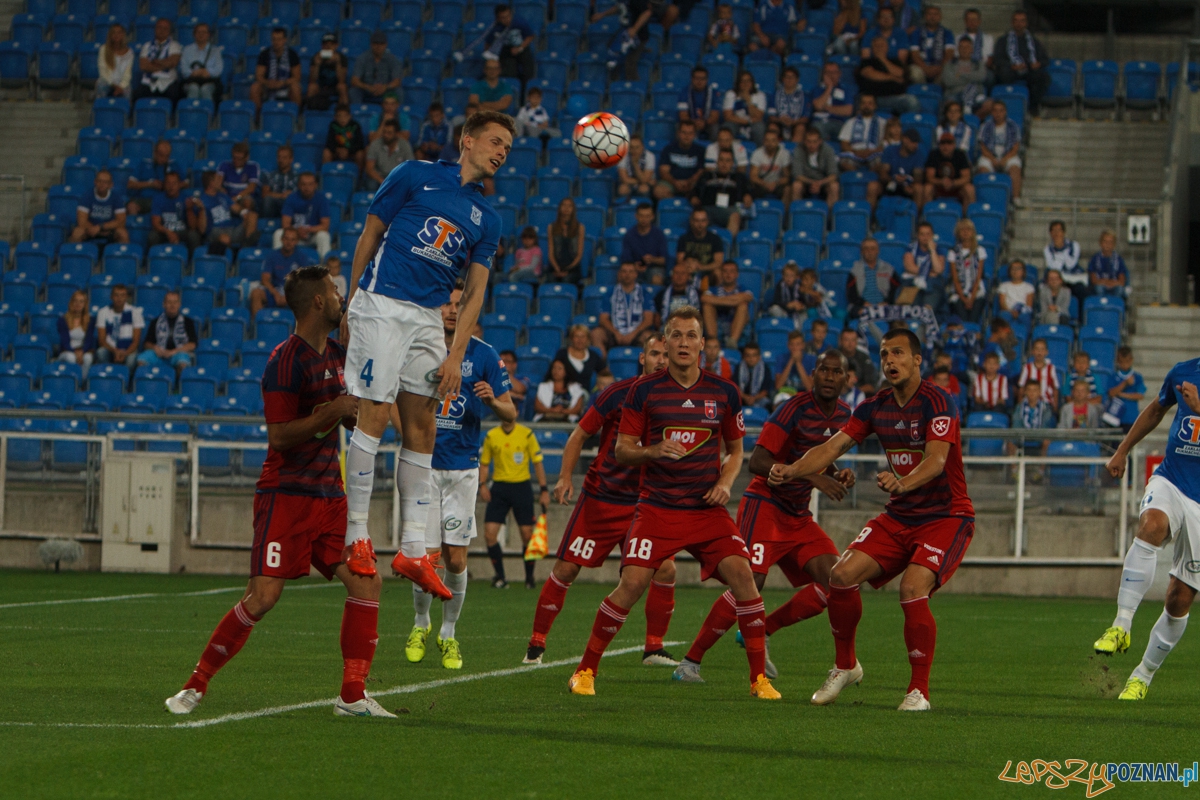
x=965, y=224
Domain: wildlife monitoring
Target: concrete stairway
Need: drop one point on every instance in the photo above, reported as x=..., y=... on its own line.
x=1165, y=336
x=37, y=137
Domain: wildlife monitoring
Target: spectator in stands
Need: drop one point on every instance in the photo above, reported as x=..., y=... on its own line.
x=202, y=65
x=772, y=27
x=815, y=169
x=849, y=26
x=119, y=329
x=791, y=373
x=280, y=182
x=699, y=104
x=893, y=130
x=868, y=376
x=344, y=141
x=769, y=168
x=334, y=265
x=645, y=247
x=380, y=72
x=965, y=78
x=1039, y=368
x=566, y=239
x=948, y=173
x=714, y=361
x=942, y=378
x=954, y=124
x=930, y=47
x=989, y=391
x=723, y=192
x=815, y=345
x=171, y=339
x=77, y=332
x=604, y=379
x=725, y=141
x=681, y=164
x=241, y=180
x=798, y=295
x=1081, y=370
x=147, y=180
x=558, y=400
x=787, y=106
x=307, y=213
x=681, y=291
x=882, y=78
x=384, y=155
x=745, y=107
x=213, y=216
x=853, y=396
x=900, y=170
x=101, y=216
x=1062, y=256
x=389, y=109
x=636, y=174
x=1079, y=411
x=435, y=134
x=115, y=64
x=699, y=250
x=327, y=76
x=1128, y=389
x=277, y=71
x=960, y=346
x=982, y=44
x=968, y=261
x=726, y=307
x=630, y=312
x=158, y=62
x=924, y=271
x=629, y=44
x=871, y=281
x=168, y=216
x=528, y=259
x=1016, y=294
x=1000, y=146
x=276, y=266
x=862, y=136
x=520, y=383
x=753, y=378
x=533, y=119
x=509, y=41
x=490, y=92
x=1002, y=341
x=724, y=30
x=1020, y=58
x=582, y=362
x=1033, y=413
x=1107, y=271
x=1053, y=300
x=831, y=105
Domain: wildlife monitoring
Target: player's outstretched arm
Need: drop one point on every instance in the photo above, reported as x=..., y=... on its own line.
x=932, y=464
x=286, y=435
x=719, y=494
x=1146, y=422
x=630, y=453
x=469, y=306
x=565, y=487
x=814, y=462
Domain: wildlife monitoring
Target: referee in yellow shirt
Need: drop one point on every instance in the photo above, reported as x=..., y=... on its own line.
x=513, y=448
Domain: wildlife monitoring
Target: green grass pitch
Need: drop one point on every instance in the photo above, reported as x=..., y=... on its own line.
x=1013, y=680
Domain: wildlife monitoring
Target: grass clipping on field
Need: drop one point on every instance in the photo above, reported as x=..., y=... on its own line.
x=60, y=551
x=1099, y=676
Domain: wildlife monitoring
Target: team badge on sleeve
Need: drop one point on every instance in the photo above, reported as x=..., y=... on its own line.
x=940, y=426
x=741, y=422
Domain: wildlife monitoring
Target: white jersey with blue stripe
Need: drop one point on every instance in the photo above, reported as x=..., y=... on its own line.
x=1181, y=464
x=436, y=227
x=459, y=415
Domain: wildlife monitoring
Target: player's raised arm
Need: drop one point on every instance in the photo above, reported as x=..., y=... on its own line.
x=931, y=466
x=814, y=462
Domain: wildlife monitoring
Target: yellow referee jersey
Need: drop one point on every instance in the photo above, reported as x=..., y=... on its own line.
x=512, y=452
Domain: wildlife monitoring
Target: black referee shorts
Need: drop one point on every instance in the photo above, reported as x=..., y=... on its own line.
x=515, y=497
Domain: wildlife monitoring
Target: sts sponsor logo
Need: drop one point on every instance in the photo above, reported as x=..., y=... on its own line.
x=1189, y=430
x=450, y=412
x=441, y=240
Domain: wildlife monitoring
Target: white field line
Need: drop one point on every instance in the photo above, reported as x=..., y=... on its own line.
x=411, y=688
x=115, y=597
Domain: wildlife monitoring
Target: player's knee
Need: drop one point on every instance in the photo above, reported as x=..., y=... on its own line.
x=1179, y=598
x=1154, y=527
x=841, y=575
x=456, y=559
x=566, y=572
x=666, y=573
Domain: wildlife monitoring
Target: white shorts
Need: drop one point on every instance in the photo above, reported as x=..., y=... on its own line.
x=395, y=346
x=1183, y=516
x=452, y=508
x=986, y=166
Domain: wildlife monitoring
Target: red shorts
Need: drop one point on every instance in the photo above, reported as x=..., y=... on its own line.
x=292, y=532
x=657, y=534
x=595, y=528
x=777, y=537
x=938, y=545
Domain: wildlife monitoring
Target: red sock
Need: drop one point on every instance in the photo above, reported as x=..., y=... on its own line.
x=231, y=633
x=752, y=622
x=609, y=619
x=806, y=603
x=549, y=603
x=660, y=605
x=720, y=619
x=845, y=610
x=360, y=621
x=920, y=637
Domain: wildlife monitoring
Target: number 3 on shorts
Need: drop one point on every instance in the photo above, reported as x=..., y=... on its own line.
x=640, y=548
x=759, y=552
x=273, y=553
x=365, y=376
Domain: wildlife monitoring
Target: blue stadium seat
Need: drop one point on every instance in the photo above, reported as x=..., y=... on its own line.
x=194, y=117
x=108, y=380
x=1100, y=84
x=1106, y=312
x=78, y=258
x=1061, y=92
x=54, y=64
x=28, y=31
x=499, y=331
x=851, y=216
x=1141, y=84
x=1072, y=475
x=109, y=113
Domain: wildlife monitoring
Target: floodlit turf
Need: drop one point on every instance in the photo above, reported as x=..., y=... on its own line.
x=1013, y=680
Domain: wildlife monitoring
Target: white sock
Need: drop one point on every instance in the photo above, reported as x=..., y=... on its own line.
x=360, y=481
x=422, y=600
x=413, y=471
x=1163, y=637
x=1136, y=578
x=456, y=582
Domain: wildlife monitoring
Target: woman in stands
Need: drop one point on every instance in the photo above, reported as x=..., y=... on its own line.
x=580, y=360
x=116, y=64
x=77, y=332
x=558, y=400
x=954, y=124
x=966, y=270
x=565, y=244
x=848, y=28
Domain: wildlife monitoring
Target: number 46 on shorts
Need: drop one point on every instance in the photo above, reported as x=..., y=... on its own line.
x=582, y=548
x=640, y=548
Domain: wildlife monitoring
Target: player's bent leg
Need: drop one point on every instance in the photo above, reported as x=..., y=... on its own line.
x=920, y=633
x=752, y=622
x=810, y=600
x=1167, y=632
x=1137, y=575
x=611, y=615
x=660, y=605
x=455, y=558
x=549, y=605
x=721, y=617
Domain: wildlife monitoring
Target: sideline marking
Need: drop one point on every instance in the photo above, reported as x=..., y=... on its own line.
x=114, y=597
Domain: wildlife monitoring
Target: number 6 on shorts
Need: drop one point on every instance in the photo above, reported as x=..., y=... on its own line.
x=273, y=554
x=640, y=548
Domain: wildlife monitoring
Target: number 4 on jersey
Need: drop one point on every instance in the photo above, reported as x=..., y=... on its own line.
x=365, y=376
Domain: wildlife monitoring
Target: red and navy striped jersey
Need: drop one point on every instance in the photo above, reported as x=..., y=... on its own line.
x=796, y=427
x=296, y=382
x=657, y=408
x=929, y=415
x=606, y=479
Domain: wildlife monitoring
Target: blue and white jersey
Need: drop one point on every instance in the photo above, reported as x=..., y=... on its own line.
x=436, y=227
x=103, y=209
x=459, y=415
x=1181, y=464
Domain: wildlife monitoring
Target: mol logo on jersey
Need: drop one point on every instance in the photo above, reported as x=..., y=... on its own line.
x=441, y=239
x=690, y=438
x=904, y=461
x=1189, y=430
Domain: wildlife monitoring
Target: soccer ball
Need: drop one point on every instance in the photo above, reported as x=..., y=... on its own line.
x=600, y=140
